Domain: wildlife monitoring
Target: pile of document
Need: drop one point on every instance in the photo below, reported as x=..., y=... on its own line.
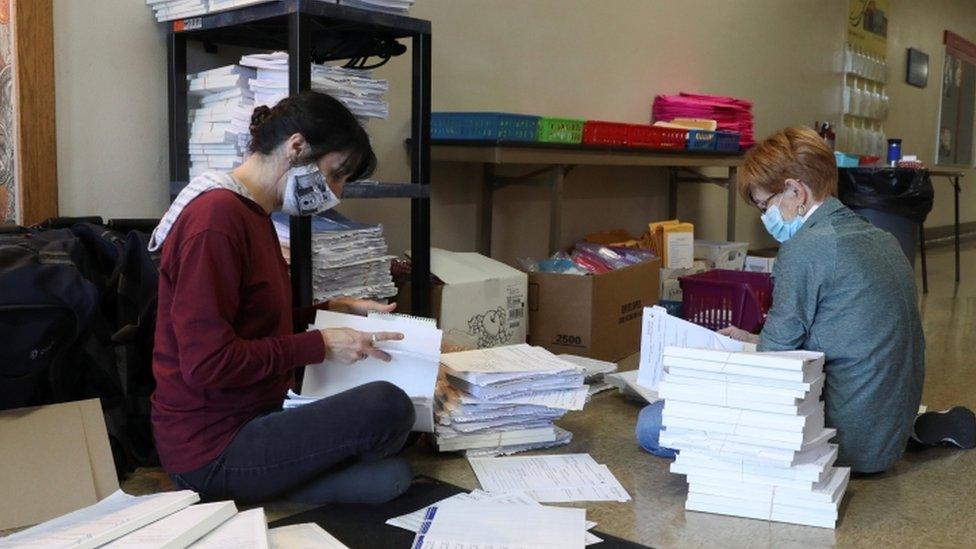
x=169, y=519
x=504, y=400
x=168, y=10
x=594, y=372
x=749, y=428
x=220, y=116
x=414, y=364
x=354, y=88
x=731, y=114
x=349, y=259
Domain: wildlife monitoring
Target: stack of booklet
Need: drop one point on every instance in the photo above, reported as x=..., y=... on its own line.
x=220, y=114
x=168, y=10
x=354, y=88
x=749, y=428
x=504, y=400
x=349, y=259
x=169, y=519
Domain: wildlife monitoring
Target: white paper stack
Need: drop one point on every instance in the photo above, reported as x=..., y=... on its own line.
x=749, y=428
x=414, y=365
x=220, y=117
x=505, y=399
x=399, y=7
x=168, y=10
x=354, y=88
x=553, y=478
x=349, y=259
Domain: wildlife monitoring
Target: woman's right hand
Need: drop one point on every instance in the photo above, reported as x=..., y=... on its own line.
x=348, y=345
x=739, y=334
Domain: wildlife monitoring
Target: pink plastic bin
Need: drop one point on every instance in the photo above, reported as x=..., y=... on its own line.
x=719, y=298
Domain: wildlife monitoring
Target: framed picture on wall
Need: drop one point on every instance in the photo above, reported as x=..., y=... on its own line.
x=917, y=71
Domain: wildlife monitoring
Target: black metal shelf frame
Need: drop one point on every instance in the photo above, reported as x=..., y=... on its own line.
x=320, y=31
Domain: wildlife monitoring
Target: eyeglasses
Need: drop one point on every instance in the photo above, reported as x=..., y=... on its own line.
x=764, y=203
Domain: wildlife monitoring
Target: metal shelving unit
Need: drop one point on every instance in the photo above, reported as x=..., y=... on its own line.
x=316, y=30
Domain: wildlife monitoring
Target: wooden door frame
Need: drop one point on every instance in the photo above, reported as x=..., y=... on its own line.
x=37, y=152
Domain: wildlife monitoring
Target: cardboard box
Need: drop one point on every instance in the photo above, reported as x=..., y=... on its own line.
x=478, y=300
x=723, y=255
x=670, y=285
x=598, y=316
x=55, y=459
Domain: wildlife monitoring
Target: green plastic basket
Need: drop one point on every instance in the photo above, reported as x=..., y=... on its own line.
x=560, y=130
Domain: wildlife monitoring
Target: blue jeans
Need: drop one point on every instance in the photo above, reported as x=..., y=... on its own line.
x=649, y=430
x=337, y=449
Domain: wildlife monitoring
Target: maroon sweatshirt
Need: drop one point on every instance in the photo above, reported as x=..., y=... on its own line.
x=225, y=350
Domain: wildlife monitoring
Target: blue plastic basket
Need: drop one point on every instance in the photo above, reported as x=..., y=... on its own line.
x=703, y=140
x=727, y=141
x=700, y=140
x=483, y=126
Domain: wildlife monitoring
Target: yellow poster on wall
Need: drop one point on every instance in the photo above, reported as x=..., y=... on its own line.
x=867, y=25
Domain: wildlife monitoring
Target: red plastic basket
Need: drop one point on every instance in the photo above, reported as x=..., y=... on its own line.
x=596, y=132
x=719, y=298
x=655, y=137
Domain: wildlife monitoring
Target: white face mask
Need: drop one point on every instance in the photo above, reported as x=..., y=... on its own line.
x=307, y=193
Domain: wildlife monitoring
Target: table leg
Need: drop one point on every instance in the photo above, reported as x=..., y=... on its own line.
x=925, y=272
x=955, y=185
x=486, y=210
x=556, y=208
x=672, y=193
x=730, y=208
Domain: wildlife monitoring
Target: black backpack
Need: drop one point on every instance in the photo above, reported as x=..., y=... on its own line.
x=108, y=353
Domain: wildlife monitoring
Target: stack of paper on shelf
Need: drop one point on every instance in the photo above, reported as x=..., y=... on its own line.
x=555, y=479
x=354, y=88
x=749, y=428
x=594, y=372
x=349, y=259
x=413, y=368
x=168, y=10
x=399, y=7
x=220, y=115
x=505, y=399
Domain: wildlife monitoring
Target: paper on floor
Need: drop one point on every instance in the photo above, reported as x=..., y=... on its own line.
x=475, y=525
x=560, y=478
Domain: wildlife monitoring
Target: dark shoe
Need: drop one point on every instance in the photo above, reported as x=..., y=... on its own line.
x=956, y=426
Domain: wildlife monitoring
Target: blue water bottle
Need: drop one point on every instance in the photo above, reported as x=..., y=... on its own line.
x=894, y=151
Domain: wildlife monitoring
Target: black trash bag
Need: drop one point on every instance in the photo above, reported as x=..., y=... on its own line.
x=903, y=192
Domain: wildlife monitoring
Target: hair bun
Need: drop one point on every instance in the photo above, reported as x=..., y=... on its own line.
x=259, y=116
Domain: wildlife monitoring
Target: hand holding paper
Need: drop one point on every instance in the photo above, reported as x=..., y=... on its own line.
x=348, y=346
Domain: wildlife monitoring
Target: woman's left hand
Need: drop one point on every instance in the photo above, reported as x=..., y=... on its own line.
x=361, y=307
x=739, y=334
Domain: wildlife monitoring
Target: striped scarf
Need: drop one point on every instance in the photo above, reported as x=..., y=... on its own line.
x=200, y=184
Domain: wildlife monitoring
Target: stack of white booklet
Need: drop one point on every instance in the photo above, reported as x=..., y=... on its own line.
x=220, y=115
x=413, y=368
x=399, y=7
x=354, y=88
x=349, y=259
x=168, y=10
x=749, y=428
x=504, y=399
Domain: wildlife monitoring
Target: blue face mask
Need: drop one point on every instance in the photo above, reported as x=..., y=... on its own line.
x=778, y=228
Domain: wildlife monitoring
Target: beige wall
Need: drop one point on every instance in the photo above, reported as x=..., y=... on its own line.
x=587, y=58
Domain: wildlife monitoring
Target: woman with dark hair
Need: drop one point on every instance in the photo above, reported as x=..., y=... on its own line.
x=225, y=350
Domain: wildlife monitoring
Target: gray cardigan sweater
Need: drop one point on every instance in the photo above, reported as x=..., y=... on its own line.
x=845, y=288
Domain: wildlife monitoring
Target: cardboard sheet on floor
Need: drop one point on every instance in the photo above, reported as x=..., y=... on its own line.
x=364, y=525
x=56, y=459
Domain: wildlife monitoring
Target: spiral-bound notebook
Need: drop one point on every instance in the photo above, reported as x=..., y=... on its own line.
x=413, y=368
